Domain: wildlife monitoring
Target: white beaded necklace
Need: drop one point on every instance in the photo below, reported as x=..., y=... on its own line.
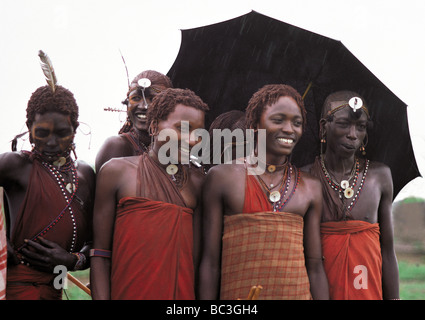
x=68, y=190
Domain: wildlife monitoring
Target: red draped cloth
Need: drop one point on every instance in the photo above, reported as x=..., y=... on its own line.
x=3, y=250
x=43, y=203
x=261, y=247
x=353, y=262
x=351, y=248
x=153, y=240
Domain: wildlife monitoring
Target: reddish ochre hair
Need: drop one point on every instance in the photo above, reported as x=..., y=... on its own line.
x=165, y=102
x=44, y=100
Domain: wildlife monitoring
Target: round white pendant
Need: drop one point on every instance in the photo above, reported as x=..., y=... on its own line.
x=172, y=169
x=60, y=162
x=274, y=196
x=345, y=184
x=348, y=193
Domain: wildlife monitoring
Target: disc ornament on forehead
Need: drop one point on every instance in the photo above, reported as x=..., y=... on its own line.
x=355, y=103
x=144, y=83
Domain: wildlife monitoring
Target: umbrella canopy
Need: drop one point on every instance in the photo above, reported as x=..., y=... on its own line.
x=225, y=63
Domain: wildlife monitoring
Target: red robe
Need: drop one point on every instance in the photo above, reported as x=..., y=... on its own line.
x=43, y=202
x=3, y=250
x=153, y=241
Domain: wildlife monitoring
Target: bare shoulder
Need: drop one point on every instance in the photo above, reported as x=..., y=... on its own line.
x=380, y=174
x=15, y=158
x=113, y=147
x=86, y=171
x=10, y=162
x=119, y=166
x=227, y=172
x=85, y=167
x=379, y=171
x=379, y=167
x=310, y=183
x=114, y=142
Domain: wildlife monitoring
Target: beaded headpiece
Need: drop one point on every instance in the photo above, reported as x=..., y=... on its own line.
x=354, y=103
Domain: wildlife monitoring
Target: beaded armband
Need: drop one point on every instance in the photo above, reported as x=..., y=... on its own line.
x=80, y=262
x=100, y=253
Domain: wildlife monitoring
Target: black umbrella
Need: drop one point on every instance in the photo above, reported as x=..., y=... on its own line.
x=225, y=63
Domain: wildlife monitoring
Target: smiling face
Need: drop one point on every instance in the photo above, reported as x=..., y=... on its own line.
x=345, y=133
x=283, y=122
x=137, y=107
x=52, y=133
x=182, y=113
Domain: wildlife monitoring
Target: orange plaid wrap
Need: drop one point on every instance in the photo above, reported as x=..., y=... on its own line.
x=264, y=249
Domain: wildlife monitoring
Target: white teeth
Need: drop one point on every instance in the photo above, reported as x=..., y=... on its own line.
x=141, y=116
x=285, y=140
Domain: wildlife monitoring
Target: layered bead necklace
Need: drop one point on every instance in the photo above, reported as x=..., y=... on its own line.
x=57, y=169
x=344, y=190
x=277, y=197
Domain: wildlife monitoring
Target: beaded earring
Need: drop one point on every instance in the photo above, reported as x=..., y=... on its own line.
x=363, y=146
x=322, y=142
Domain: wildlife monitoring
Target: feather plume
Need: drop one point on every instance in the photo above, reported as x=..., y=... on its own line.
x=49, y=72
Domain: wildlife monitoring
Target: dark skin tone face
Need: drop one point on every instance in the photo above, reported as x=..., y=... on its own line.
x=195, y=119
x=346, y=131
x=52, y=133
x=283, y=121
x=137, y=109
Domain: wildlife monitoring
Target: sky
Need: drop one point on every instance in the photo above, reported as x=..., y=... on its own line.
x=85, y=40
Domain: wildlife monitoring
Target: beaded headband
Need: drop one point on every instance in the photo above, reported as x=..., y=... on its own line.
x=354, y=103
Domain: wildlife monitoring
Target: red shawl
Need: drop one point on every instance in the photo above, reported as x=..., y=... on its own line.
x=43, y=203
x=153, y=241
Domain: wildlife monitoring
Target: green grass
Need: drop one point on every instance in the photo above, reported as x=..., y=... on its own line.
x=412, y=280
x=75, y=293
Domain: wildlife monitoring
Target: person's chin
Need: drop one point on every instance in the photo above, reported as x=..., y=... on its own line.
x=141, y=126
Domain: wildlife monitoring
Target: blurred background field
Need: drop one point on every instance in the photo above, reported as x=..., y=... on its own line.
x=409, y=234
x=409, y=239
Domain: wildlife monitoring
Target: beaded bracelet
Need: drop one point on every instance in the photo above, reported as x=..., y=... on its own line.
x=81, y=260
x=100, y=253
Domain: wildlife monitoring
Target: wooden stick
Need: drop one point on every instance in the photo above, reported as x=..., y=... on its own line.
x=257, y=292
x=79, y=284
x=251, y=293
